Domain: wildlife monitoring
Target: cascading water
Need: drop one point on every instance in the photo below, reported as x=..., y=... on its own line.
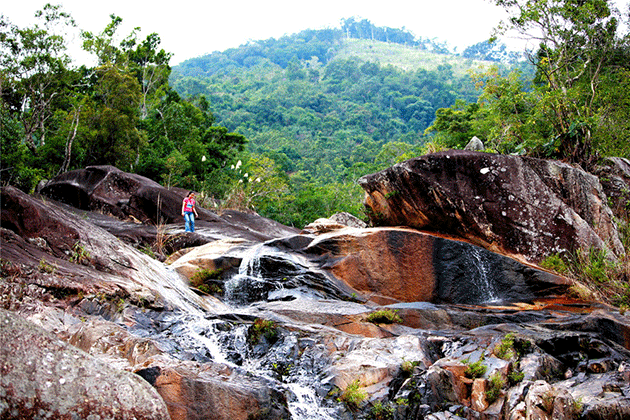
x=248, y=284
x=290, y=366
x=480, y=276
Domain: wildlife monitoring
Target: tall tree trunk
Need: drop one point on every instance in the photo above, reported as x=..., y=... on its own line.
x=71, y=136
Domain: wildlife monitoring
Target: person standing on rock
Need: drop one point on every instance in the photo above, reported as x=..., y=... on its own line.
x=189, y=211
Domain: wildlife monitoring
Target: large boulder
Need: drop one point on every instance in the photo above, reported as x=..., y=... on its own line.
x=404, y=265
x=194, y=391
x=614, y=175
x=524, y=207
x=44, y=377
x=130, y=196
x=382, y=265
x=66, y=254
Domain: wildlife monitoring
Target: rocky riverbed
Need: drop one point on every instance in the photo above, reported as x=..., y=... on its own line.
x=336, y=321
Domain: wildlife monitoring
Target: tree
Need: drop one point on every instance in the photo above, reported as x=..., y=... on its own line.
x=115, y=138
x=575, y=39
x=35, y=72
x=151, y=68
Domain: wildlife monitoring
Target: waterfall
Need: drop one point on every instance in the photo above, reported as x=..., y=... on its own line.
x=242, y=286
x=305, y=404
x=481, y=276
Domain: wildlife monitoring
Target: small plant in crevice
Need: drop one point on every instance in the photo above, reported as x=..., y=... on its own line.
x=495, y=385
x=46, y=267
x=202, y=275
x=80, y=255
x=515, y=376
x=475, y=369
x=505, y=349
x=391, y=194
x=353, y=396
x=10, y=269
x=380, y=411
x=547, y=401
x=407, y=367
x=384, y=316
x=578, y=406
x=262, y=328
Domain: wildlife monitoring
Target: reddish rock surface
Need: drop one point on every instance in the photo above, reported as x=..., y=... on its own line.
x=524, y=207
x=388, y=265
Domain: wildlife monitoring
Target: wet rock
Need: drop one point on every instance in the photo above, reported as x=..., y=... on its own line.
x=525, y=207
x=193, y=391
x=396, y=264
x=37, y=368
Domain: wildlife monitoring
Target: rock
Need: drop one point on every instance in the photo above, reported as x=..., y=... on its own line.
x=374, y=362
x=524, y=207
x=313, y=293
x=335, y=222
x=83, y=258
x=193, y=391
x=614, y=176
x=384, y=265
x=539, y=400
x=37, y=368
x=347, y=219
x=403, y=265
x=475, y=145
x=130, y=196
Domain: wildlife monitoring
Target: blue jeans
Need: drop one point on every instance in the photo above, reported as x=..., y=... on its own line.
x=189, y=219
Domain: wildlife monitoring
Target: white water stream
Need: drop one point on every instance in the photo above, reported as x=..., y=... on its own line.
x=481, y=276
x=204, y=339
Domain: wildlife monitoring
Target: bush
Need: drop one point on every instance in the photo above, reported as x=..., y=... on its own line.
x=381, y=412
x=505, y=350
x=554, y=263
x=384, y=316
x=353, y=395
x=263, y=328
x=475, y=369
x=495, y=384
x=202, y=275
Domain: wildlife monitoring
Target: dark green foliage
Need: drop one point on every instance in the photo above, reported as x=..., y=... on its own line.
x=495, y=385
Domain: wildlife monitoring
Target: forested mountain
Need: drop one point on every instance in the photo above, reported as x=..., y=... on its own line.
x=286, y=126
x=330, y=105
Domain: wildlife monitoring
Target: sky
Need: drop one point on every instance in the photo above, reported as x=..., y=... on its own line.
x=194, y=28
x=191, y=29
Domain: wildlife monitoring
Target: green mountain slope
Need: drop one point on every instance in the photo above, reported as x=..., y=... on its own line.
x=328, y=106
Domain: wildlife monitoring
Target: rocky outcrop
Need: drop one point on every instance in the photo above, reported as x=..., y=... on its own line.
x=389, y=264
x=48, y=247
x=44, y=377
x=614, y=176
x=302, y=321
x=381, y=265
x=524, y=207
x=194, y=391
x=132, y=197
